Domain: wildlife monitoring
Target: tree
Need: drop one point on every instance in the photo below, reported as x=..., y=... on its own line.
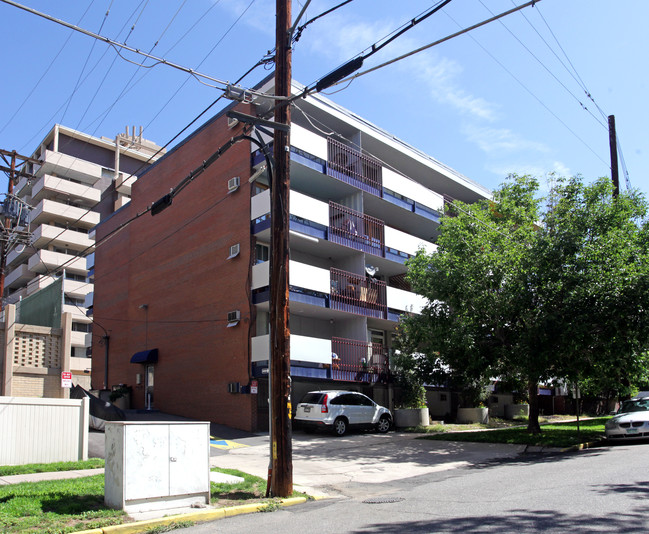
x=531, y=291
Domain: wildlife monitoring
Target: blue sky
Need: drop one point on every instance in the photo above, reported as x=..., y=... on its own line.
x=504, y=98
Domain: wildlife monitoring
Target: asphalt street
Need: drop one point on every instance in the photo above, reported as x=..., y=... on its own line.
x=596, y=490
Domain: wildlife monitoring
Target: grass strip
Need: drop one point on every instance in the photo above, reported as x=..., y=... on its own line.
x=70, y=505
x=91, y=463
x=56, y=506
x=552, y=435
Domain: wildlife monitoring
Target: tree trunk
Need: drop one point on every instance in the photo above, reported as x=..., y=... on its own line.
x=533, y=426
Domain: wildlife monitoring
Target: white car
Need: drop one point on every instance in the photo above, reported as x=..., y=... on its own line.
x=340, y=411
x=630, y=422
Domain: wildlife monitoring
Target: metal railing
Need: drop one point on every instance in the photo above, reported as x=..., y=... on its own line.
x=358, y=361
x=356, y=230
x=352, y=167
x=357, y=294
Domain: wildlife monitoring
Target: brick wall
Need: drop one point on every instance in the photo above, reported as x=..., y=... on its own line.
x=26, y=384
x=176, y=264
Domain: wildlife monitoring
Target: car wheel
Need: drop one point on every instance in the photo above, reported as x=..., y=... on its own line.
x=384, y=424
x=340, y=427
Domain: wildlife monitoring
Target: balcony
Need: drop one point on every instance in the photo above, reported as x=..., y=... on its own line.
x=356, y=230
x=50, y=186
x=70, y=239
x=358, y=361
x=357, y=294
x=47, y=260
x=329, y=359
x=81, y=339
x=124, y=182
x=80, y=364
x=68, y=166
x=18, y=277
x=352, y=167
x=49, y=211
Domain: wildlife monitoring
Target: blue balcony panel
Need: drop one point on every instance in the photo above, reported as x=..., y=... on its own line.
x=427, y=212
x=395, y=255
x=260, y=370
x=403, y=202
x=307, y=227
x=393, y=315
x=308, y=160
x=260, y=224
x=305, y=296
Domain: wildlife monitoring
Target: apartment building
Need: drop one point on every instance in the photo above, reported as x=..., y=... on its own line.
x=185, y=292
x=81, y=179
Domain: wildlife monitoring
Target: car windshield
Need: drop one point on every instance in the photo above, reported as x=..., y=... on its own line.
x=641, y=405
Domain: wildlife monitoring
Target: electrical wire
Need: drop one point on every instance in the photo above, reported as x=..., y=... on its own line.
x=117, y=45
x=547, y=69
x=46, y=71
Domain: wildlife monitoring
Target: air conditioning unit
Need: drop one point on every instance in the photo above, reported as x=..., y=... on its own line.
x=233, y=318
x=233, y=184
x=234, y=387
x=234, y=251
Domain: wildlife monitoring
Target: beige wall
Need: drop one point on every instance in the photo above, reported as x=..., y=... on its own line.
x=33, y=357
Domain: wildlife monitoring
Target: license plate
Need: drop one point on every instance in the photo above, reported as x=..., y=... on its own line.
x=631, y=430
x=307, y=409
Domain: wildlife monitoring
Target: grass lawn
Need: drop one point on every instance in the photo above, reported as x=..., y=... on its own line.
x=91, y=463
x=61, y=506
x=552, y=435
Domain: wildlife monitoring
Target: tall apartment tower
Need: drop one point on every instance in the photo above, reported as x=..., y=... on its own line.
x=185, y=292
x=81, y=180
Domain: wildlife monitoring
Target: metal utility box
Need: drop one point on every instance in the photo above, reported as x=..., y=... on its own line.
x=156, y=465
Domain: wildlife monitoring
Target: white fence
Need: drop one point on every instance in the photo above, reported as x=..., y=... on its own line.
x=43, y=430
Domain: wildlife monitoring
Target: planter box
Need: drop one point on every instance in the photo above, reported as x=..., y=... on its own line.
x=472, y=415
x=512, y=411
x=411, y=417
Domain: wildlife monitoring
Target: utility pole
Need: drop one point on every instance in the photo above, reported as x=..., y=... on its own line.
x=9, y=236
x=612, y=140
x=281, y=483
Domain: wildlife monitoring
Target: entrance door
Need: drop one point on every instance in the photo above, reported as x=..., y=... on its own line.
x=148, y=386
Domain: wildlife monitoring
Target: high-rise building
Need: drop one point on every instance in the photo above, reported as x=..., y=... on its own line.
x=81, y=179
x=185, y=292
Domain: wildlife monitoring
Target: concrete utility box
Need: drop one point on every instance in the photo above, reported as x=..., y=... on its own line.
x=156, y=465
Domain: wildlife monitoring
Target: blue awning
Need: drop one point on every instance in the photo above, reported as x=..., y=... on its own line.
x=145, y=356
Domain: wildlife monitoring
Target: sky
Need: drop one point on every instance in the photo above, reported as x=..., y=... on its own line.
x=529, y=94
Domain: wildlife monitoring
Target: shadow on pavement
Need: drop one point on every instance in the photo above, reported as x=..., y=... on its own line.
x=524, y=521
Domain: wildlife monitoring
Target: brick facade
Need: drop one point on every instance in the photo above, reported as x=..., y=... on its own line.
x=176, y=264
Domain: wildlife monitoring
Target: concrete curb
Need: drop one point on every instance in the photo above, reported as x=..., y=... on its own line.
x=199, y=516
x=582, y=446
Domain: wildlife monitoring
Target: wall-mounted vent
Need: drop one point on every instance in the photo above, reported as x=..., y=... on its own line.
x=234, y=251
x=233, y=318
x=233, y=184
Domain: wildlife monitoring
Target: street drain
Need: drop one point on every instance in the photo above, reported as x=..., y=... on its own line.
x=383, y=500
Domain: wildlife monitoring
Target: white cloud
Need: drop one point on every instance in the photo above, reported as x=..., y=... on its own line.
x=492, y=140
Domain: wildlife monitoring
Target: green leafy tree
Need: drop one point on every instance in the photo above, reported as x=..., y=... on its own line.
x=531, y=291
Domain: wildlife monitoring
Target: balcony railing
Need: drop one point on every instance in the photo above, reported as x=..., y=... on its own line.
x=356, y=230
x=350, y=166
x=358, y=361
x=357, y=294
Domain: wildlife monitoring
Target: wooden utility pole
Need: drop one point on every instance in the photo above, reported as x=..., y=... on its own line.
x=13, y=173
x=612, y=140
x=280, y=359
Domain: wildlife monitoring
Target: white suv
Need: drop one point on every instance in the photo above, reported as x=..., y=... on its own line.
x=340, y=410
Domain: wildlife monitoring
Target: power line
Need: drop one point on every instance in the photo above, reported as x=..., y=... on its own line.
x=123, y=46
x=583, y=106
x=45, y=72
